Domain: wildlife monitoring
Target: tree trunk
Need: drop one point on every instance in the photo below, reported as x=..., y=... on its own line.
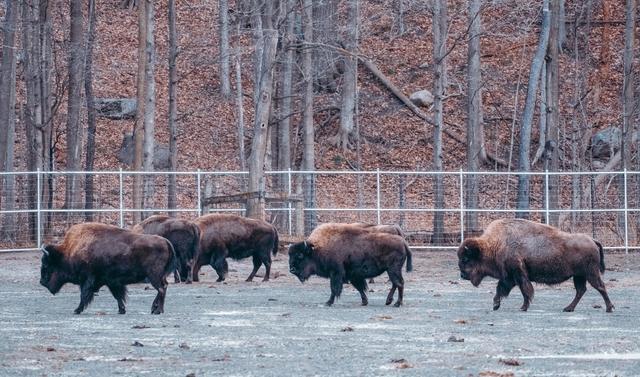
x=350, y=78
x=150, y=104
x=308, y=153
x=225, y=82
x=258, y=41
x=439, y=50
x=255, y=207
x=8, y=116
x=325, y=32
x=552, y=115
x=628, y=102
x=475, y=130
x=138, y=130
x=173, y=108
x=398, y=16
x=91, y=112
x=527, y=115
x=240, y=110
x=74, y=101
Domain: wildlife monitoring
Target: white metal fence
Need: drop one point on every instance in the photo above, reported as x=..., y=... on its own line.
x=33, y=207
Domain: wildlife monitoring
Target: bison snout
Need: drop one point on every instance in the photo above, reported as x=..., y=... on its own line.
x=292, y=270
x=464, y=275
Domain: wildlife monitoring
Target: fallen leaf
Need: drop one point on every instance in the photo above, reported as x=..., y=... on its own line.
x=137, y=344
x=511, y=362
x=347, y=329
x=184, y=346
x=454, y=339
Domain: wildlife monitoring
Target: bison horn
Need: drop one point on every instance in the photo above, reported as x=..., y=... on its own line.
x=305, y=244
x=44, y=250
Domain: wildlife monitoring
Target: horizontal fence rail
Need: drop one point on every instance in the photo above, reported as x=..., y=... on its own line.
x=33, y=206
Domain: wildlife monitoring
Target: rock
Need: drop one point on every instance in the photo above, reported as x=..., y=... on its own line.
x=160, y=153
x=422, y=98
x=605, y=142
x=455, y=339
x=116, y=108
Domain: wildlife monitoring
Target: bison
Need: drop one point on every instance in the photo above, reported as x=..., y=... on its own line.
x=224, y=235
x=92, y=255
x=184, y=235
x=383, y=228
x=518, y=252
x=349, y=253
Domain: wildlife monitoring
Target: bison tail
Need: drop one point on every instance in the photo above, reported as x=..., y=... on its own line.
x=172, y=265
x=275, y=242
x=409, y=258
x=601, y=255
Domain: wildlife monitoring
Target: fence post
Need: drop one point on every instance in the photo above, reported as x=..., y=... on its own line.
x=199, y=194
x=38, y=213
x=546, y=196
x=121, y=200
x=289, y=201
x=378, y=193
x=626, y=215
x=461, y=206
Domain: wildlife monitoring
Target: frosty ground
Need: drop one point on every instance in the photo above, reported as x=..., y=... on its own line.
x=445, y=328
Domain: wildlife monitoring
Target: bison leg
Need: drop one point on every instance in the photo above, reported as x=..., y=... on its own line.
x=361, y=286
x=219, y=263
x=176, y=276
x=256, y=265
x=158, y=303
x=336, y=287
x=527, y=290
x=189, y=271
x=502, y=290
x=580, y=282
x=392, y=291
x=266, y=260
x=397, y=281
x=87, y=291
x=596, y=282
x=119, y=292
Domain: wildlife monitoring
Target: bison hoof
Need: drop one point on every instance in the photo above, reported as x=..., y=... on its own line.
x=77, y=311
x=122, y=311
x=524, y=308
x=188, y=282
x=365, y=303
x=610, y=309
x=397, y=304
x=496, y=306
x=222, y=279
x=328, y=303
x=567, y=309
x=265, y=279
x=388, y=302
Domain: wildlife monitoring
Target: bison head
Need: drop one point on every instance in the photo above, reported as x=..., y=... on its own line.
x=51, y=275
x=470, y=261
x=301, y=261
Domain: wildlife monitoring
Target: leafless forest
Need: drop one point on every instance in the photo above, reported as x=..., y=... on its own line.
x=253, y=85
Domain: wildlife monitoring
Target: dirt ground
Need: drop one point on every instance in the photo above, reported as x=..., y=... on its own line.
x=446, y=328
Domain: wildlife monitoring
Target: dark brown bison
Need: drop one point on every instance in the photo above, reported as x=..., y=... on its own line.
x=382, y=228
x=349, y=253
x=236, y=237
x=184, y=235
x=92, y=255
x=518, y=252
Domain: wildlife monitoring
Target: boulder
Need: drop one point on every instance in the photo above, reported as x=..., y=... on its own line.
x=116, y=108
x=605, y=143
x=422, y=98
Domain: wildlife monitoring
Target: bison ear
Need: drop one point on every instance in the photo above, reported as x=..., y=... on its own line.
x=471, y=251
x=308, y=247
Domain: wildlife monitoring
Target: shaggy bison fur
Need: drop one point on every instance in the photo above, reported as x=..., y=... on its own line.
x=518, y=252
x=236, y=237
x=349, y=253
x=382, y=228
x=184, y=235
x=92, y=255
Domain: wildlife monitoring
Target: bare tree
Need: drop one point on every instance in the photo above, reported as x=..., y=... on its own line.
x=527, y=115
x=552, y=114
x=138, y=129
x=8, y=114
x=440, y=22
x=91, y=111
x=150, y=102
x=255, y=206
x=476, y=153
x=225, y=81
x=350, y=78
x=240, y=109
x=74, y=101
x=629, y=105
x=308, y=154
x=173, y=107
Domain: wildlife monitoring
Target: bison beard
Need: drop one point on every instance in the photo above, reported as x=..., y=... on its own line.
x=236, y=237
x=184, y=235
x=518, y=252
x=347, y=253
x=93, y=255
